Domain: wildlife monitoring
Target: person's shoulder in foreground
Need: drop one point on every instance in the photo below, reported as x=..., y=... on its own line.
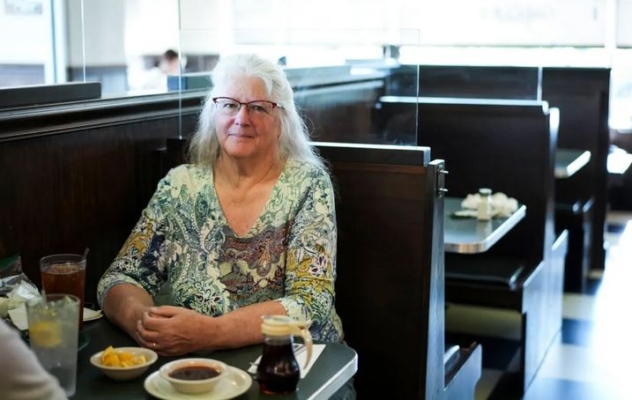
x=23, y=378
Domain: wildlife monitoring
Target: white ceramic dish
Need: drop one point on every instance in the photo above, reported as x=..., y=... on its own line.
x=18, y=316
x=198, y=384
x=236, y=383
x=126, y=373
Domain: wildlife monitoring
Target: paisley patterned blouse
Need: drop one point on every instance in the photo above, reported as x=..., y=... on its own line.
x=183, y=240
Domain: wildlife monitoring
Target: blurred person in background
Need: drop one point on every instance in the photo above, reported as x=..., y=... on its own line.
x=168, y=64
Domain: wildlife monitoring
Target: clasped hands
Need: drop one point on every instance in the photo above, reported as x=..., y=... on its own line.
x=170, y=331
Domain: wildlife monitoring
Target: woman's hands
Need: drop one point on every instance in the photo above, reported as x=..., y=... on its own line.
x=171, y=331
x=167, y=330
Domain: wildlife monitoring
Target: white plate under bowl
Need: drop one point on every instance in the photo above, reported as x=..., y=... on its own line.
x=235, y=384
x=91, y=315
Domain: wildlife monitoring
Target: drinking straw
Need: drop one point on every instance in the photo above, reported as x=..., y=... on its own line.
x=85, y=253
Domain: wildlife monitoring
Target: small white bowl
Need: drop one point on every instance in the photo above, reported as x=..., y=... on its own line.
x=192, y=386
x=126, y=373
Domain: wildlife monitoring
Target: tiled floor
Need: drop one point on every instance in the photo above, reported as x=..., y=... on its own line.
x=591, y=358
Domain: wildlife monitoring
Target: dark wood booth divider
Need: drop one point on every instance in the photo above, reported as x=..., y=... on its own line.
x=582, y=96
x=508, y=146
x=78, y=175
x=390, y=284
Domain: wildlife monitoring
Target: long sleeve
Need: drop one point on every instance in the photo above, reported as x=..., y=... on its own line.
x=22, y=377
x=138, y=261
x=311, y=259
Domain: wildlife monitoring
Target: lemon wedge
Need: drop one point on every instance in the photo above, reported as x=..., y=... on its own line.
x=45, y=334
x=119, y=358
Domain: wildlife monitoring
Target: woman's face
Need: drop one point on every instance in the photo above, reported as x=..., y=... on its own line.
x=249, y=134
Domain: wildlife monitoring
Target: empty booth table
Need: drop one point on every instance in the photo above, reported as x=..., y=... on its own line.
x=569, y=161
x=469, y=235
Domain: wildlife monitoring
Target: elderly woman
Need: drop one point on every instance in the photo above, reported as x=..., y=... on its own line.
x=247, y=229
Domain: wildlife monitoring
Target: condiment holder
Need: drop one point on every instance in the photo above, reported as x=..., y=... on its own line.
x=278, y=371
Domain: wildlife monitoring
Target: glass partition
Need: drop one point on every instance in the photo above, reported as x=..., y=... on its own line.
x=340, y=67
x=116, y=42
x=129, y=45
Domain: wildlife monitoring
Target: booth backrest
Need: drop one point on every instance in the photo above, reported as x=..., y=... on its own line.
x=390, y=283
x=581, y=95
x=506, y=146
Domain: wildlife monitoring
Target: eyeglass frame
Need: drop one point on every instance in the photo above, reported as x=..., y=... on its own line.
x=247, y=104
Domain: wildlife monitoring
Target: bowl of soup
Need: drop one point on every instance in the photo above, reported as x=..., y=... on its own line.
x=194, y=375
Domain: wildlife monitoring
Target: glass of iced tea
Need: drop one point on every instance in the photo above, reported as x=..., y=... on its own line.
x=65, y=274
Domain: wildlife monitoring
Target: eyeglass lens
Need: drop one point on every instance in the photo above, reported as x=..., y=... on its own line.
x=230, y=106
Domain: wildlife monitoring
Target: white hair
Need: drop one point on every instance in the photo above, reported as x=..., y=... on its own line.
x=294, y=138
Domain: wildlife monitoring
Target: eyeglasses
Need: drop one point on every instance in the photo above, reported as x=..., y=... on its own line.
x=229, y=106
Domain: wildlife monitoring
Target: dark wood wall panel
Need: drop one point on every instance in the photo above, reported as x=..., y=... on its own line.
x=341, y=113
x=80, y=188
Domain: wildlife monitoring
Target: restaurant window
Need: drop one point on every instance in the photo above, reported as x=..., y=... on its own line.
x=119, y=42
x=27, y=59
x=115, y=42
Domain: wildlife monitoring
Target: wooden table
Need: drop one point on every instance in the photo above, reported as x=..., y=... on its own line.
x=569, y=161
x=335, y=366
x=469, y=235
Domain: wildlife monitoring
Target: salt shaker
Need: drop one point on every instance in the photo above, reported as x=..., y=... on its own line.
x=485, y=205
